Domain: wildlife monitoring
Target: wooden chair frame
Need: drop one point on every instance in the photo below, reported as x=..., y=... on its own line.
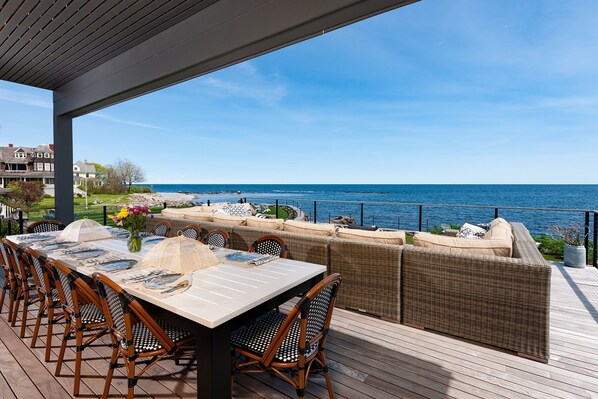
x=193, y=227
x=284, y=252
x=21, y=290
x=300, y=369
x=55, y=226
x=162, y=223
x=45, y=284
x=134, y=313
x=81, y=293
x=7, y=280
x=211, y=233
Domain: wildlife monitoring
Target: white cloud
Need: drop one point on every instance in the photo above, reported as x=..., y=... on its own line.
x=24, y=98
x=125, y=121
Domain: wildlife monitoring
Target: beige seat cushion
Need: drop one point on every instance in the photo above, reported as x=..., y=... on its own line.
x=319, y=229
x=262, y=223
x=213, y=207
x=228, y=220
x=199, y=216
x=497, y=247
x=382, y=237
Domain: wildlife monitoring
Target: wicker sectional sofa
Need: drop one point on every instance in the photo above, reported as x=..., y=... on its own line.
x=498, y=301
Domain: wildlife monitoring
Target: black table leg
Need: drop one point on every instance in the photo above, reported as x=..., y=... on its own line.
x=213, y=362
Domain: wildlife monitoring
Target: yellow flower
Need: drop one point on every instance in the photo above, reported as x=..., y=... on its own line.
x=124, y=212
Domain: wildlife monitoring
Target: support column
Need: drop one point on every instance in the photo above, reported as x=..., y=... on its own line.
x=63, y=168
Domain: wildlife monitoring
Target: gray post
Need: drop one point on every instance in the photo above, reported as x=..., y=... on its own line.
x=495, y=213
x=63, y=168
x=21, y=230
x=595, y=237
x=421, y=209
x=276, y=209
x=586, y=238
x=315, y=212
x=361, y=214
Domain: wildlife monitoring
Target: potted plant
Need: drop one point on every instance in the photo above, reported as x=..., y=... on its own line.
x=573, y=235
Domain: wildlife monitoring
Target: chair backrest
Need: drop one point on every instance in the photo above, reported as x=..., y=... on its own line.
x=19, y=264
x=217, y=238
x=39, y=271
x=315, y=312
x=6, y=262
x=44, y=226
x=72, y=289
x=122, y=311
x=190, y=231
x=269, y=245
x=162, y=228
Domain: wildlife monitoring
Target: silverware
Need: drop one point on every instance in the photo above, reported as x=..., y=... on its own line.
x=143, y=277
x=182, y=284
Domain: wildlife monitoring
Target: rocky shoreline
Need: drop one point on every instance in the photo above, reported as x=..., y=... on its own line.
x=156, y=199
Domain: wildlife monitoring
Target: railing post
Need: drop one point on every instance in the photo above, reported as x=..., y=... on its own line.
x=105, y=215
x=315, y=211
x=595, y=237
x=361, y=218
x=164, y=205
x=277, y=209
x=21, y=221
x=8, y=228
x=495, y=213
x=421, y=213
x=208, y=202
x=586, y=239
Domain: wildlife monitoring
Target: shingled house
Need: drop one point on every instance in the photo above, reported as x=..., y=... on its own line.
x=28, y=164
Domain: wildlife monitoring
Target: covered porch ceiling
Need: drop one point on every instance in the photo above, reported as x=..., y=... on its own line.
x=93, y=54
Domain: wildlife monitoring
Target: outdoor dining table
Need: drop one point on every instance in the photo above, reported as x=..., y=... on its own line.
x=220, y=299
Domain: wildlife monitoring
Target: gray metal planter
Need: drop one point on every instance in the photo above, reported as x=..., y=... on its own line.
x=575, y=256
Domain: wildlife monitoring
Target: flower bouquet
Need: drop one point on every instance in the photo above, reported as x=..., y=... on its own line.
x=134, y=219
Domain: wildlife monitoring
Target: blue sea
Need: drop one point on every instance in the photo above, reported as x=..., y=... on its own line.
x=378, y=198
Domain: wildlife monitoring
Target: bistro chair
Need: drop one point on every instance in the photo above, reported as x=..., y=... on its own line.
x=269, y=245
x=137, y=335
x=289, y=345
x=24, y=284
x=44, y=226
x=161, y=229
x=6, y=281
x=82, y=311
x=49, y=298
x=217, y=238
x=190, y=231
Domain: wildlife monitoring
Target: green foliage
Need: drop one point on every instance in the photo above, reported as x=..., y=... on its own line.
x=141, y=189
x=435, y=229
x=553, y=247
x=24, y=194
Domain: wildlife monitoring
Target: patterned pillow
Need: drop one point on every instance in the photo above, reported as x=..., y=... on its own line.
x=471, y=231
x=236, y=210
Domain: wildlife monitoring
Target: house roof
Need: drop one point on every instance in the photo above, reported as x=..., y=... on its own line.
x=86, y=167
x=7, y=154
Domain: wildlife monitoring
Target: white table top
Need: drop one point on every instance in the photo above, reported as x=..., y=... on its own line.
x=218, y=293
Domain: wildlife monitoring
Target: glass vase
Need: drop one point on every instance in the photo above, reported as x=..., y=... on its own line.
x=134, y=242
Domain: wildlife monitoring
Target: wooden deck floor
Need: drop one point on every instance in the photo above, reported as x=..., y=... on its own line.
x=368, y=358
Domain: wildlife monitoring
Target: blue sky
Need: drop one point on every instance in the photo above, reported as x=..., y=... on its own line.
x=463, y=91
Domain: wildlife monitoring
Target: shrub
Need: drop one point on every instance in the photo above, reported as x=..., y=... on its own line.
x=551, y=246
x=435, y=229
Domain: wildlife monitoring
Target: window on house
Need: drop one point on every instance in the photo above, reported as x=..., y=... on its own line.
x=52, y=167
x=40, y=166
x=39, y=155
x=46, y=155
x=20, y=155
x=47, y=166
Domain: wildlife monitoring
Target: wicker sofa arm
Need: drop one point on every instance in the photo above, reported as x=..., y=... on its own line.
x=499, y=301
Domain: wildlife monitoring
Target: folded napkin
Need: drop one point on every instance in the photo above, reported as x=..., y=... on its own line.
x=176, y=287
x=262, y=259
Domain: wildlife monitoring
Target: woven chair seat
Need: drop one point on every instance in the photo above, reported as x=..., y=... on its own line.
x=256, y=338
x=145, y=341
x=90, y=314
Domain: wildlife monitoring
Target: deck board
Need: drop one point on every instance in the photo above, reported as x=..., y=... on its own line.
x=369, y=358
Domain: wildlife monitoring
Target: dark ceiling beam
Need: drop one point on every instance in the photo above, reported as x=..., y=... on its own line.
x=225, y=33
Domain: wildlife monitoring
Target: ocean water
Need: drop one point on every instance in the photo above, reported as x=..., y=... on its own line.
x=378, y=208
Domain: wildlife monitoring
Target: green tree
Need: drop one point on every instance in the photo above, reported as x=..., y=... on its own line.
x=25, y=194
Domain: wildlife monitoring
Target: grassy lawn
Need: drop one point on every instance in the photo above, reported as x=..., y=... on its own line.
x=282, y=214
x=104, y=199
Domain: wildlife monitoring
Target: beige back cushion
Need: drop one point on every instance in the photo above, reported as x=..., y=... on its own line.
x=499, y=230
x=199, y=216
x=228, y=220
x=382, y=237
x=213, y=207
x=261, y=223
x=173, y=213
x=495, y=247
x=319, y=229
